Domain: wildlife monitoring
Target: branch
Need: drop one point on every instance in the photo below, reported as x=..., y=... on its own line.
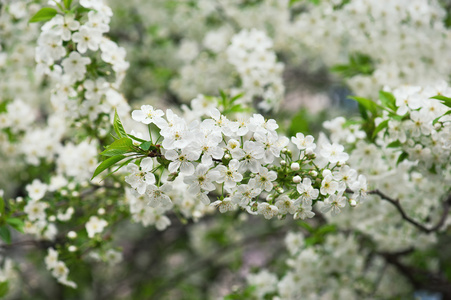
x=395, y=202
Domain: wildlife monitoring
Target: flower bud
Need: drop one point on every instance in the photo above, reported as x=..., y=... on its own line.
x=72, y=248
x=72, y=234
x=313, y=173
x=297, y=179
x=295, y=166
x=227, y=156
x=283, y=162
x=52, y=218
x=284, y=150
x=352, y=203
x=309, y=151
x=101, y=211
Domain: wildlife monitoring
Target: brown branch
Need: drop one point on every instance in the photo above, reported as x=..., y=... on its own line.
x=395, y=202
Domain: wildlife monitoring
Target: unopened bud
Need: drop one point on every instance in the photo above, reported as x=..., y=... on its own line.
x=227, y=156
x=52, y=218
x=352, y=203
x=309, y=151
x=437, y=126
x=297, y=179
x=101, y=211
x=313, y=173
x=295, y=166
x=284, y=150
x=72, y=234
x=283, y=162
x=72, y=248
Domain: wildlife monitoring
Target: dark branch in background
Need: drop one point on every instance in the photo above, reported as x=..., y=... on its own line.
x=395, y=202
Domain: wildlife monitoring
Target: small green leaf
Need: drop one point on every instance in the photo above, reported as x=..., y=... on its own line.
x=146, y=145
x=136, y=138
x=369, y=105
x=118, y=147
x=67, y=3
x=16, y=223
x=388, y=100
x=437, y=119
x=107, y=163
x=380, y=127
x=117, y=124
x=4, y=288
x=5, y=234
x=445, y=100
x=44, y=14
x=395, y=144
x=2, y=206
x=402, y=157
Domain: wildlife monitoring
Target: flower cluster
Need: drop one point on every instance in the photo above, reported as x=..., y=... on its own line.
x=251, y=53
x=244, y=163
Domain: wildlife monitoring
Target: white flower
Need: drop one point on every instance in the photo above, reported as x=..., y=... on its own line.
x=36, y=190
x=147, y=114
x=75, y=65
x=51, y=259
x=181, y=160
x=224, y=205
x=229, y=175
x=334, y=203
x=328, y=185
x=95, y=225
x=334, y=153
x=285, y=205
x=35, y=210
x=140, y=177
x=304, y=211
x=245, y=193
x=307, y=192
x=303, y=143
x=267, y=210
x=157, y=196
x=202, y=179
x=264, y=178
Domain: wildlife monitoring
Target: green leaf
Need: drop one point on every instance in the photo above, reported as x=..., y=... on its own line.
x=16, y=223
x=300, y=123
x=5, y=234
x=136, y=138
x=4, y=288
x=367, y=104
x=388, y=100
x=120, y=166
x=395, y=144
x=402, y=157
x=67, y=3
x=2, y=206
x=117, y=124
x=146, y=145
x=437, y=119
x=445, y=100
x=380, y=127
x=107, y=163
x=120, y=146
x=44, y=14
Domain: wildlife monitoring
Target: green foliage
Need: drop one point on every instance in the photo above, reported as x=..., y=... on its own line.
x=16, y=224
x=67, y=3
x=44, y=14
x=4, y=288
x=247, y=293
x=445, y=100
x=5, y=234
x=300, y=123
x=107, y=163
x=358, y=64
x=118, y=127
x=402, y=156
x=383, y=125
x=118, y=147
x=388, y=100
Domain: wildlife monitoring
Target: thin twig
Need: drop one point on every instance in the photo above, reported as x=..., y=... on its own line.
x=395, y=202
